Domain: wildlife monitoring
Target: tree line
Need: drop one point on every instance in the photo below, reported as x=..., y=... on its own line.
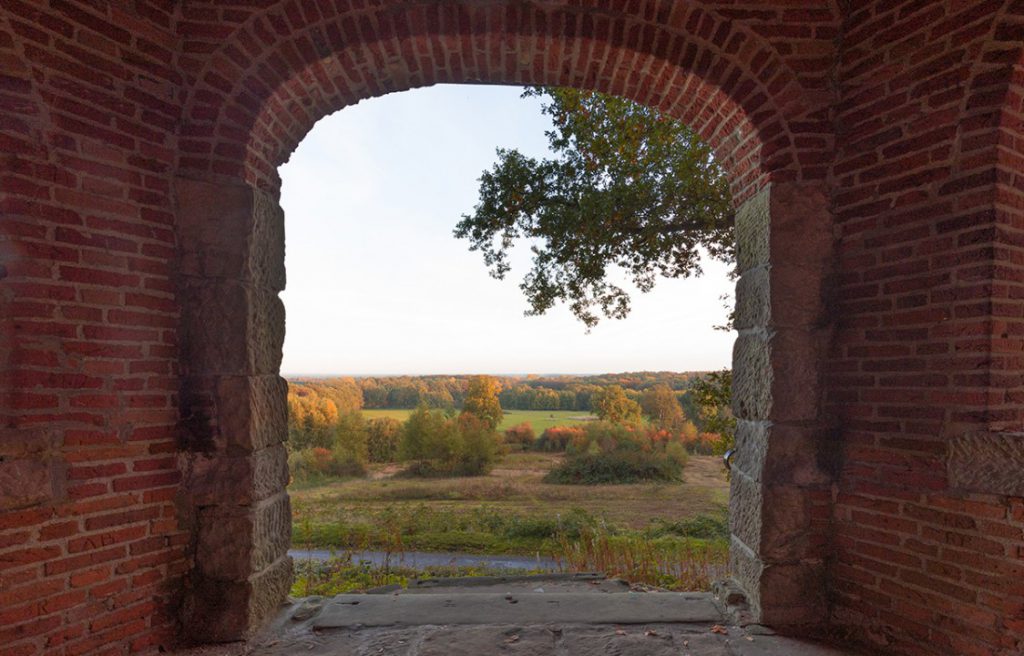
x=324, y=441
x=328, y=434
x=574, y=393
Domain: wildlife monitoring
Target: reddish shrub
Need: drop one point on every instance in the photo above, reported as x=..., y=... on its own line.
x=558, y=438
x=521, y=435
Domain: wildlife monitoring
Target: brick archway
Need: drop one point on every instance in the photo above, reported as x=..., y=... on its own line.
x=277, y=72
x=134, y=133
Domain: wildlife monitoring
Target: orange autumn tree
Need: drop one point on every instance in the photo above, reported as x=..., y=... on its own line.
x=482, y=400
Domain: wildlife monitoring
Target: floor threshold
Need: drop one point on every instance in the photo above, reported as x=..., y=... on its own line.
x=353, y=610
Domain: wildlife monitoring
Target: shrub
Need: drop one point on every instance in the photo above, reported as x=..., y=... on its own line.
x=677, y=452
x=558, y=438
x=618, y=466
x=383, y=437
x=476, y=452
x=702, y=527
x=350, y=443
x=615, y=453
x=604, y=437
x=321, y=461
x=520, y=435
x=317, y=463
x=437, y=445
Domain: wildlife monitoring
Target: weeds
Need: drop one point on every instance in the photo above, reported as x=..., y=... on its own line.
x=702, y=527
x=423, y=527
x=671, y=563
x=620, y=529
x=685, y=555
x=342, y=575
x=615, y=467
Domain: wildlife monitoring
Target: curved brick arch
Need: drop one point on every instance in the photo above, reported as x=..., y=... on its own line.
x=108, y=108
x=271, y=78
x=282, y=70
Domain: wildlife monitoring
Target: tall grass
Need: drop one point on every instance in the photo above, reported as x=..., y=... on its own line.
x=666, y=562
x=669, y=556
x=425, y=527
x=343, y=574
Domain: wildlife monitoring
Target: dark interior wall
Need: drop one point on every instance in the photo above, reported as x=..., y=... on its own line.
x=926, y=367
x=91, y=552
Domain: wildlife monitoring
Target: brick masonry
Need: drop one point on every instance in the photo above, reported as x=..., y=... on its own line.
x=875, y=151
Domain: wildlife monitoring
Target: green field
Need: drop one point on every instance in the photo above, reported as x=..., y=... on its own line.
x=462, y=514
x=673, y=535
x=539, y=419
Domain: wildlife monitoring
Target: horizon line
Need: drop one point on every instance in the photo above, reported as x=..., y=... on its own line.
x=490, y=373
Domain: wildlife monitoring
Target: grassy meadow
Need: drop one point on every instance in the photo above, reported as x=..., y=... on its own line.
x=669, y=534
x=539, y=419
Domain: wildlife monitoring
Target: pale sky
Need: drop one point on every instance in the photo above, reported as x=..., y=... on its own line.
x=377, y=283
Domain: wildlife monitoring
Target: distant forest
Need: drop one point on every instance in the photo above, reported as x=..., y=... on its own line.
x=528, y=392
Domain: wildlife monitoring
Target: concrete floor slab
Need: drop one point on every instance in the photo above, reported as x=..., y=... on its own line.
x=516, y=608
x=531, y=640
x=556, y=616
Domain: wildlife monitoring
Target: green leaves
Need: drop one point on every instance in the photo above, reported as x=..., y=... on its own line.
x=612, y=405
x=713, y=396
x=627, y=189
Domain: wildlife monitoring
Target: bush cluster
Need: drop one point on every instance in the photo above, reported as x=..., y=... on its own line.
x=383, y=438
x=559, y=438
x=343, y=452
x=520, y=437
x=615, y=467
x=433, y=443
x=437, y=445
x=616, y=453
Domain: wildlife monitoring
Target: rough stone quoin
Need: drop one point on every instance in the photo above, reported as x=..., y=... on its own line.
x=235, y=465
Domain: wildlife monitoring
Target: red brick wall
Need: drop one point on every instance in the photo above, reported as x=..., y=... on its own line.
x=928, y=347
x=747, y=78
x=918, y=125
x=90, y=548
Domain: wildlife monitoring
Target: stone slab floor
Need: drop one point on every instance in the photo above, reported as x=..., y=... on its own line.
x=519, y=617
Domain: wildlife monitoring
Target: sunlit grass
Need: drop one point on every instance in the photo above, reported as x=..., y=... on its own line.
x=666, y=562
x=342, y=575
x=516, y=486
x=539, y=419
x=670, y=535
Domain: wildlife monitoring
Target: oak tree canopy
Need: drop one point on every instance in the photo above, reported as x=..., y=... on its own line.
x=627, y=188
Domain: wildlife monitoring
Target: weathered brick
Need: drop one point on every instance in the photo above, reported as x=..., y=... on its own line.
x=910, y=112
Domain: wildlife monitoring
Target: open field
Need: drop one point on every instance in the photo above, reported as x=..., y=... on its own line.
x=673, y=536
x=510, y=510
x=539, y=419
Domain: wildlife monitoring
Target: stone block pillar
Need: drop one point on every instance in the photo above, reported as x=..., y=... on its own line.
x=233, y=408
x=781, y=484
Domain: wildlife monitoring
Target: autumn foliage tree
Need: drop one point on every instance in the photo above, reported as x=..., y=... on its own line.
x=713, y=397
x=482, y=400
x=437, y=445
x=662, y=407
x=383, y=436
x=311, y=421
x=612, y=405
x=520, y=435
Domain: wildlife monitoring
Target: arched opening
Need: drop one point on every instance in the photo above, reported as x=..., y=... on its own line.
x=387, y=311
x=125, y=121
x=263, y=92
